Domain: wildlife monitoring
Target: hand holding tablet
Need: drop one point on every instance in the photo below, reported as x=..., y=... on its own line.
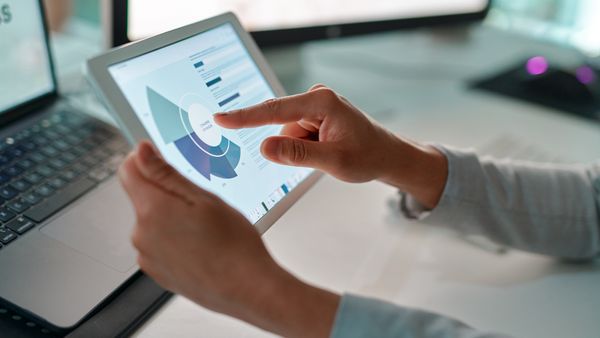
x=167, y=88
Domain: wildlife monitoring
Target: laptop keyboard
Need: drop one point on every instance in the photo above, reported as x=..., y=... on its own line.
x=49, y=165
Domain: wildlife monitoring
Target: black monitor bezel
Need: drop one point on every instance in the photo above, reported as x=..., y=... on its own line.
x=43, y=100
x=269, y=38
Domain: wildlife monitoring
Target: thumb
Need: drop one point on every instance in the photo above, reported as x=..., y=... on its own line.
x=296, y=152
x=163, y=175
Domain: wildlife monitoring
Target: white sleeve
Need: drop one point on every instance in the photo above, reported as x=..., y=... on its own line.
x=359, y=317
x=542, y=208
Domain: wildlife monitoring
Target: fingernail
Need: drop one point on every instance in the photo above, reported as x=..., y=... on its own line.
x=219, y=114
x=271, y=149
x=147, y=153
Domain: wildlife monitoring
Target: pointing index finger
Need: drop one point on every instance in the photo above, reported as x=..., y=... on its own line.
x=283, y=110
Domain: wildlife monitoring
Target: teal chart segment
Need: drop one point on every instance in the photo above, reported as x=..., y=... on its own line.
x=194, y=134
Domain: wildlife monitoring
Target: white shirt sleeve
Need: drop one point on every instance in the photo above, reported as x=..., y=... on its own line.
x=543, y=208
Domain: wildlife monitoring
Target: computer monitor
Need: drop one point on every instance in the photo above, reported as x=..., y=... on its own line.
x=274, y=22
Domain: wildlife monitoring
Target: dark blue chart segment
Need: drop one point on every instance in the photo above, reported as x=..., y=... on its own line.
x=222, y=166
x=175, y=127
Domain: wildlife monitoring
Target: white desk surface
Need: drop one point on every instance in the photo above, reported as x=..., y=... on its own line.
x=349, y=238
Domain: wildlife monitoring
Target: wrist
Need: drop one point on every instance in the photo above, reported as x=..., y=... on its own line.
x=419, y=170
x=286, y=306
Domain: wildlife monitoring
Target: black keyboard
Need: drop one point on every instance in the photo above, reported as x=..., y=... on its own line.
x=47, y=166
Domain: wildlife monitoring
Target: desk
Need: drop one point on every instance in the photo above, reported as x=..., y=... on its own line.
x=413, y=83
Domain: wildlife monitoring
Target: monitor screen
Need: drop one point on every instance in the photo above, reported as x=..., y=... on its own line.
x=150, y=17
x=25, y=70
x=174, y=92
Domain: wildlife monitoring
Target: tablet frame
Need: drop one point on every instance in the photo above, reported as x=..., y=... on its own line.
x=97, y=71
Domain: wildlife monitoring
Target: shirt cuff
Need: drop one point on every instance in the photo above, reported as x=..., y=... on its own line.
x=411, y=208
x=365, y=317
x=359, y=317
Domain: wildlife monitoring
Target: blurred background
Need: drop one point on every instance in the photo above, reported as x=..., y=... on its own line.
x=568, y=22
x=83, y=28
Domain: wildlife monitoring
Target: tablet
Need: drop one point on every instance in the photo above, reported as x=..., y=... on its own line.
x=167, y=88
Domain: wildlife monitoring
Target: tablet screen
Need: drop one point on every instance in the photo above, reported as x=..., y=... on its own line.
x=174, y=92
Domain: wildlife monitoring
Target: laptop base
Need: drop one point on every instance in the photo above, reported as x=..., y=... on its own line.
x=119, y=317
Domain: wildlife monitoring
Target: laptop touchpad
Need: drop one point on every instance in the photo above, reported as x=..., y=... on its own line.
x=99, y=225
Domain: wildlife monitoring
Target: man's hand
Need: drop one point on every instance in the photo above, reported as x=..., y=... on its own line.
x=194, y=244
x=324, y=131
x=321, y=130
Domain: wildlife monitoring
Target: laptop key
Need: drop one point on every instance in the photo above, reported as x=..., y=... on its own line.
x=29, y=145
x=45, y=171
x=18, y=205
x=20, y=225
x=7, y=192
x=68, y=175
x=16, y=152
x=40, y=140
x=57, y=163
x=4, y=178
x=49, y=151
x=44, y=190
x=67, y=195
x=68, y=157
x=37, y=158
x=72, y=139
x=33, y=178
x=6, y=215
x=25, y=164
x=57, y=182
x=51, y=135
x=32, y=198
x=6, y=236
x=20, y=185
x=61, y=145
x=78, y=151
x=4, y=159
x=13, y=171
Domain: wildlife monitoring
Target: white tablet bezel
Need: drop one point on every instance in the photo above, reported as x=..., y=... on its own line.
x=108, y=91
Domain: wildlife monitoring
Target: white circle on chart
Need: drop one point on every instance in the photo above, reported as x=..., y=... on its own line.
x=201, y=120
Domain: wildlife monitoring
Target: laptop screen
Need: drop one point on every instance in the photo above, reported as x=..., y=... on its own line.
x=25, y=70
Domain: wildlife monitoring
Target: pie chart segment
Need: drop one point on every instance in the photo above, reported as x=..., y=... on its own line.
x=224, y=167
x=188, y=149
x=195, y=135
x=201, y=120
x=166, y=116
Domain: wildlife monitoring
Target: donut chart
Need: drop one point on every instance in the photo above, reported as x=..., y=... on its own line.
x=189, y=126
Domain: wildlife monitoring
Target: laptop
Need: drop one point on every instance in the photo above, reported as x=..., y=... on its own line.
x=65, y=222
